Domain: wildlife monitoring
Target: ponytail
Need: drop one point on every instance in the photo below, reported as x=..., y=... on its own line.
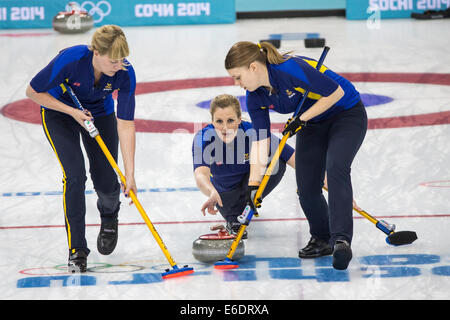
x=272, y=54
x=243, y=53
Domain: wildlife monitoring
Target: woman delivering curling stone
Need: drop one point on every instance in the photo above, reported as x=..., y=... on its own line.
x=221, y=161
x=333, y=124
x=93, y=72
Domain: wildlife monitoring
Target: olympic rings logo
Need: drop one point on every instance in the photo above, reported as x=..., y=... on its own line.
x=97, y=10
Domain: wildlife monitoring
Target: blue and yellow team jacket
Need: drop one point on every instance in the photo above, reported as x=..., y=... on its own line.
x=290, y=80
x=74, y=66
x=228, y=162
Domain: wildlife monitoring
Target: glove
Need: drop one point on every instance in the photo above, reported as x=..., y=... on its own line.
x=250, y=197
x=292, y=126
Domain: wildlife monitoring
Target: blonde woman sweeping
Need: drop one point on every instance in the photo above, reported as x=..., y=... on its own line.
x=93, y=72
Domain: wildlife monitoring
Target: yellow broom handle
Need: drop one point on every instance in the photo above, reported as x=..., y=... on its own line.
x=367, y=216
x=362, y=212
x=269, y=170
x=236, y=241
x=135, y=201
x=259, y=193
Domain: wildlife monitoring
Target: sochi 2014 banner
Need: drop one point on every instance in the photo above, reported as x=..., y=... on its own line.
x=388, y=9
x=17, y=14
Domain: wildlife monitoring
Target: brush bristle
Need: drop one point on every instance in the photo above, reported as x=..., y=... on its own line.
x=401, y=238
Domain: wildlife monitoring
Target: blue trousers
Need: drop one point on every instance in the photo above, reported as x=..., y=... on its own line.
x=234, y=201
x=63, y=134
x=329, y=146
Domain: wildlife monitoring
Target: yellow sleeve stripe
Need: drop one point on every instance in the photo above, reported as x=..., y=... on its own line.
x=313, y=64
x=63, y=87
x=311, y=95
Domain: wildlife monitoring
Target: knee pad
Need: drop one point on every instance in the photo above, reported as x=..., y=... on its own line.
x=108, y=203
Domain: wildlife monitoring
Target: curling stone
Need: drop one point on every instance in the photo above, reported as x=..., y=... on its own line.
x=276, y=42
x=73, y=22
x=314, y=42
x=214, y=247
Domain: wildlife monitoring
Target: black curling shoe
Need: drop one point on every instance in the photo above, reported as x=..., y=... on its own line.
x=77, y=261
x=314, y=249
x=107, y=237
x=342, y=254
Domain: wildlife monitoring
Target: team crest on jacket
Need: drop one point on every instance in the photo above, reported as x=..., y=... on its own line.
x=108, y=87
x=289, y=93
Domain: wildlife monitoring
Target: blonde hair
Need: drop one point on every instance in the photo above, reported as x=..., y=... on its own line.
x=223, y=101
x=110, y=40
x=243, y=53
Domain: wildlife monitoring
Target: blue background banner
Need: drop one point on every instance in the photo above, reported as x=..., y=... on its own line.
x=281, y=5
x=389, y=9
x=16, y=14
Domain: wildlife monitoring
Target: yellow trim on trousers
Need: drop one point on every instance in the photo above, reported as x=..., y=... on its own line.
x=69, y=237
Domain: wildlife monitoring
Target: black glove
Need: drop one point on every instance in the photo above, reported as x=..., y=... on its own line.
x=292, y=126
x=250, y=197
